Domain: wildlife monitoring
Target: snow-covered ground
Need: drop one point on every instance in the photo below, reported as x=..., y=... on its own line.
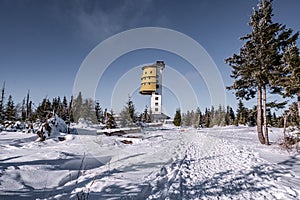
x=217, y=163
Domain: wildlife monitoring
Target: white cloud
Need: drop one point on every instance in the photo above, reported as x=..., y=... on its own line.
x=97, y=20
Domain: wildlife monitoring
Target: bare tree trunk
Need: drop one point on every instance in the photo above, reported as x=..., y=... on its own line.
x=265, y=115
x=259, y=117
x=27, y=105
x=2, y=103
x=284, y=124
x=298, y=95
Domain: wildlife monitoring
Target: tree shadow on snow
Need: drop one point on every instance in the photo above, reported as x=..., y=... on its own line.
x=230, y=183
x=74, y=165
x=257, y=180
x=292, y=162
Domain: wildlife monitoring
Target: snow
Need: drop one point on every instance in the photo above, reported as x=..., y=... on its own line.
x=185, y=163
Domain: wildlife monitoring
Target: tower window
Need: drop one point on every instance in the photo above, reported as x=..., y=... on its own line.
x=150, y=72
x=156, y=104
x=156, y=109
x=156, y=98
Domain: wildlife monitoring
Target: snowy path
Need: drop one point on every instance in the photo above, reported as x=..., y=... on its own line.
x=219, y=163
x=210, y=168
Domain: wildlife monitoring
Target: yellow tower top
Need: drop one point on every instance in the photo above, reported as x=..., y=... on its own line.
x=148, y=85
x=152, y=79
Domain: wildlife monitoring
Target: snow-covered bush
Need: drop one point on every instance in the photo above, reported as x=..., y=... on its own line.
x=52, y=127
x=13, y=126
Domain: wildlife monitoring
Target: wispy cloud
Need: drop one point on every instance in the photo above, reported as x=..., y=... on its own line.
x=97, y=20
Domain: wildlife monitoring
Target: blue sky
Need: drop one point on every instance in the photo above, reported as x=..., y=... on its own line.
x=43, y=43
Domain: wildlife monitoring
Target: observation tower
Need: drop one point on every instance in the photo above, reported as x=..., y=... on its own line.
x=152, y=85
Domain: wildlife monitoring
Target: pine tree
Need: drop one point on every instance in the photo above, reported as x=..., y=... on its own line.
x=177, y=118
x=231, y=115
x=201, y=119
x=59, y=107
x=252, y=114
x=18, y=111
x=256, y=66
x=289, y=78
x=111, y=122
x=241, y=114
x=131, y=110
x=55, y=105
x=31, y=116
x=187, y=118
x=77, y=107
x=128, y=115
x=293, y=118
x=43, y=109
x=2, y=115
x=70, y=110
x=87, y=110
x=99, y=112
x=65, y=112
x=10, y=112
x=212, y=116
x=227, y=116
x=219, y=117
x=23, y=111
x=207, y=117
x=146, y=118
x=197, y=118
x=28, y=110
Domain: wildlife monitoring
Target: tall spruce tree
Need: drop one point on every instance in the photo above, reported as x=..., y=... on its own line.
x=88, y=110
x=290, y=75
x=111, y=122
x=28, y=110
x=227, y=116
x=43, y=109
x=131, y=110
x=177, y=118
x=187, y=118
x=128, y=115
x=23, y=111
x=207, y=117
x=256, y=66
x=70, y=109
x=241, y=114
x=231, y=115
x=10, y=112
x=197, y=118
x=99, y=112
x=146, y=118
x=2, y=103
x=65, y=113
x=77, y=107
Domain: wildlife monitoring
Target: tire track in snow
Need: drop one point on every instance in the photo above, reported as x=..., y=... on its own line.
x=208, y=168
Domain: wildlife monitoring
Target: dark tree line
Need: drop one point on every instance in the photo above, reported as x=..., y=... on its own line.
x=227, y=116
x=209, y=118
x=69, y=110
